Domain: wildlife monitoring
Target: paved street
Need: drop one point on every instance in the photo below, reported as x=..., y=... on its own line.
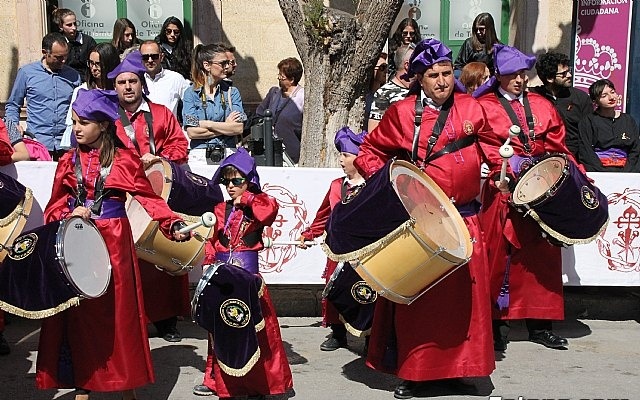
x=601, y=363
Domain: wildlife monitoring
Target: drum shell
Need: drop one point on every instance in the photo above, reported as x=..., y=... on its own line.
x=15, y=223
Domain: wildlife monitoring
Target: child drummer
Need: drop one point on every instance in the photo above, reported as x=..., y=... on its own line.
x=236, y=242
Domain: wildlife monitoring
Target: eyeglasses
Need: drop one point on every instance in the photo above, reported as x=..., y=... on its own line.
x=564, y=73
x=170, y=31
x=381, y=67
x=232, y=63
x=223, y=64
x=408, y=33
x=153, y=56
x=235, y=181
x=92, y=64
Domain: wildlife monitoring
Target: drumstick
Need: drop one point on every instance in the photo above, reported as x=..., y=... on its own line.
x=270, y=243
x=207, y=219
x=506, y=151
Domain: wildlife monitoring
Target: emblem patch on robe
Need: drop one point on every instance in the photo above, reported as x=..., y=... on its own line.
x=363, y=293
x=467, y=126
x=589, y=198
x=196, y=179
x=23, y=246
x=235, y=313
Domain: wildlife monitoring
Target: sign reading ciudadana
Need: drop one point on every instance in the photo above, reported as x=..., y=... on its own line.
x=149, y=15
x=94, y=17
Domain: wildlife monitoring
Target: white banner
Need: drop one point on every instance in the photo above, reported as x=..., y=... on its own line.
x=612, y=260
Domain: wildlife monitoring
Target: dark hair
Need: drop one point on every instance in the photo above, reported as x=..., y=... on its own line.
x=597, y=87
x=60, y=14
x=547, y=65
x=230, y=170
x=54, y=37
x=472, y=75
x=396, y=39
x=119, y=27
x=109, y=143
x=180, y=58
x=203, y=53
x=291, y=68
x=109, y=60
x=491, y=37
x=227, y=47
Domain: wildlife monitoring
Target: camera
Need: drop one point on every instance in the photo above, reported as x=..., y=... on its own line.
x=215, y=152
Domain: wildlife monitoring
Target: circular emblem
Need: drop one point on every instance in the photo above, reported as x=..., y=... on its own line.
x=235, y=313
x=197, y=179
x=363, y=293
x=23, y=246
x=467, y=127
x=589, y=198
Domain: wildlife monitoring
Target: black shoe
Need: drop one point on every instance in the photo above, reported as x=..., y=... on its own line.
x=500, y=344
x=405, y=390
x=4, y=346
x=548, y=339
x=333, y=343
x=171, y=335
x=202, y=390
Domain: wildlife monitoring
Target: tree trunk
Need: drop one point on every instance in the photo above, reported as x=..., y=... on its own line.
x=338, y=51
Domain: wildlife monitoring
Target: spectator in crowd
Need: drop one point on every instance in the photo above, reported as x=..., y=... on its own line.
x=474, y=75
x=609, y=140
x=165, y=297
x=408, y=31
x=176, y=47
x=102, y=59
x=212, y=112
x=479, y=47
x=231, y=56
x=573, y=104
x=12, y=148
x=378, y=78
x=394, y=90
x=47, y=85
x=166, y=87
x=79, y=43
x=286, y=103
x=124, y=35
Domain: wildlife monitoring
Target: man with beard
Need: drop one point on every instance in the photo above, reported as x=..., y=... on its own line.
x=573, y=104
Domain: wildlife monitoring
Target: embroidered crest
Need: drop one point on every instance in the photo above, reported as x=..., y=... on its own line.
x=363, y=293
x=23, y=246
x=197, y=179
x=589, y=198
x=467, y=127
x=624, y=136
x=235, y=313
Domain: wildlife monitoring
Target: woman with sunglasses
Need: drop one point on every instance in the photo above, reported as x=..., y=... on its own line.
x=212, y=111
x=176, y=46
x=103, y=58
x=124, y=35
x=408, y=31
x=609, y=138
x=479, y=47
x=79, y=43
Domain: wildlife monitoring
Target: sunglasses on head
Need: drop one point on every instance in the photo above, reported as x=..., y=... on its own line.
x=235, y=181
x=153, y=56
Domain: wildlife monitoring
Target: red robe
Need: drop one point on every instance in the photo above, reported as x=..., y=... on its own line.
x=165, y=296
x=446, y=333
x=271, y=374
x=535, y=274
x=329, y=313
x=6, y=150
x=107, y=336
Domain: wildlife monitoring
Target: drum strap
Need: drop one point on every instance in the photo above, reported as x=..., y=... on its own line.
x=451, y=147
x=99, y=192
x=126, y=124
x=437, y=128
x=516, y=121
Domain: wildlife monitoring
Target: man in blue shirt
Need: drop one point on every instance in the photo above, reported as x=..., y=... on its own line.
x=47, y=86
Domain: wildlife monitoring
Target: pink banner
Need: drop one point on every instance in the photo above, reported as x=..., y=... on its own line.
x=603, y=34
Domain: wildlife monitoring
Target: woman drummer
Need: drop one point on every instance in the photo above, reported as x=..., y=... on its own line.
x=102, y=345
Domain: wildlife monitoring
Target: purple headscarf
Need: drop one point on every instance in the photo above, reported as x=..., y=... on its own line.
x=244, y=163
x=96, y=105
x=348, y=142
x=428, y=52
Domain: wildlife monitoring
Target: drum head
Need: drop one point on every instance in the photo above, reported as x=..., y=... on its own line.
x=538, y=179
x=84, y=257
x=438, y=222
x=160, y=176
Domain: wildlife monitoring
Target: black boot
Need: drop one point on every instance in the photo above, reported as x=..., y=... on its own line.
x=167, y=329
x=337, y=339
x=500, y=333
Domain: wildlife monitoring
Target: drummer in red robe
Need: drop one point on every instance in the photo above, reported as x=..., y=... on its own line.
x=445, y=333
x=526, y=270
x=102, y=344
x=152, y=131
